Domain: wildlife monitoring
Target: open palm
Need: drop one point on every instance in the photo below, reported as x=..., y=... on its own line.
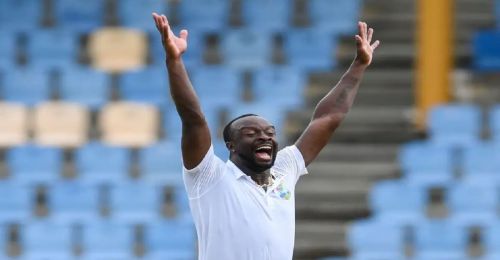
x=364, y=46
x=174, y=46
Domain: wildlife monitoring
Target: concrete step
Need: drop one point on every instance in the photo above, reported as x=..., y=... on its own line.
x=370, y=96
x=373, y=76
x=319, y=239
x=359, y=153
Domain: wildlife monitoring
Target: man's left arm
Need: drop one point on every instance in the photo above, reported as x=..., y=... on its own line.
x=333, y=107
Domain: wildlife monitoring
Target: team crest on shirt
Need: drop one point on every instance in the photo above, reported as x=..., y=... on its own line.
x=282, y=191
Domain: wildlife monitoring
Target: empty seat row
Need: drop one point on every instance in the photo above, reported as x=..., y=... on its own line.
x=95, y=163
x=427, y=163
x=67, y=124
x=243, y=48
x=468, y=204
x=167, y=239
x=92, y=88
x=79, y=202
x=209, y=15
x=432, y=239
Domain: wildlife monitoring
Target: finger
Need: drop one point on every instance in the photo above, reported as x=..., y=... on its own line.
x=365, y=29
x=360, y=29
x=359, y=40
x=375, y=44
x=157, y=21
x=370, y=34
x=184, y=34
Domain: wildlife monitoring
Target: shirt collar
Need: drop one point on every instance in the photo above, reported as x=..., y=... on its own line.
x=235, y=170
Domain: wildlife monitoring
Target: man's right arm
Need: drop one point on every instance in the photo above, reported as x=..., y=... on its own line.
x=195, y=132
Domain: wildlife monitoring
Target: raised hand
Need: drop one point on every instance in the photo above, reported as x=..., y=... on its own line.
x=174, y=46
x=365, y=48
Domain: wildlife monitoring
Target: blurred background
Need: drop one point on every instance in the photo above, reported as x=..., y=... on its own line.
x=90, y=161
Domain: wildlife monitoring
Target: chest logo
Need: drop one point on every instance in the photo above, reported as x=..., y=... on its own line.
x=282, y=191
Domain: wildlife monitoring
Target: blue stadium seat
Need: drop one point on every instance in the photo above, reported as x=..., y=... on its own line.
x=28, y=86
x=85, y=86
x=440, y=239
x=34, y=164
x=92, y=168
x=4, y=238
x=147, y=85
x=486, y=49
x=455, y=124
x=481, y=163
x=220, y=149
x=161, y=162
x=137, y=14
x=193, y=55
x=364, y=240
x=172, y=126
x=208, y=15
x=494, y=120
x=15, y=203
x=426, y=164
x=8, y=48
x=46, y=240
x=338, y=17
x=497, y=13
x=267, y=16
x=181, y=202
x=282, y=86
x=472, y=204
x=135, y=202
x=107, y=240
x=309, y=49
x=20, y=15
x=52, y=48
x=398, y=203
x=491, y=240
x=73, y=202
x=170, y=239
x=246, y=49
x=80, y=16
x=218, y=84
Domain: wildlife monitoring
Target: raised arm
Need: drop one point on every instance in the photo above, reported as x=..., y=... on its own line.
x=333, y=107
x=195, y=133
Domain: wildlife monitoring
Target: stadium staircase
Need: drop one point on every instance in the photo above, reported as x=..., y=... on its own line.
x=364, y=149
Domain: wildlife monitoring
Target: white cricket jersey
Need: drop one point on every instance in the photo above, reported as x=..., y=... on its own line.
x=235, y=218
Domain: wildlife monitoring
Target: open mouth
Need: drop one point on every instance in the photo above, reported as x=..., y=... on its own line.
x=264, y=152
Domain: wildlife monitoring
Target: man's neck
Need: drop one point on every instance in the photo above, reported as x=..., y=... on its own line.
x=261, y=178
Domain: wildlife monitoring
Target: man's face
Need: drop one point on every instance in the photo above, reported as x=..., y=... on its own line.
x=254, y=141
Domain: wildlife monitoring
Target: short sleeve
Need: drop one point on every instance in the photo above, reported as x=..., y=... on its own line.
x=206, y=174
x=290, y=161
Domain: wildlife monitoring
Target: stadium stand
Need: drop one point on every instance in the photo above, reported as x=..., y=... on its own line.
x=91, y=168
x=14, y=124
x=117, y=49
x=364, y=239
x=28, y=86
x=85, y=86
x=45, y=164
x=148, y=85
x=486, y=51
x=246, y=49
x=60, y=124
x=38, y=244
x=139, y=144
x=267, y=16
x=129, y=124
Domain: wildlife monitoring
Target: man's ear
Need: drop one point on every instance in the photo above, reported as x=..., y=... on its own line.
x=230, y=146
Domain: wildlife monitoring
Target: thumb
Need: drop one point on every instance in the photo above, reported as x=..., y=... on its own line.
x=184, y=34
